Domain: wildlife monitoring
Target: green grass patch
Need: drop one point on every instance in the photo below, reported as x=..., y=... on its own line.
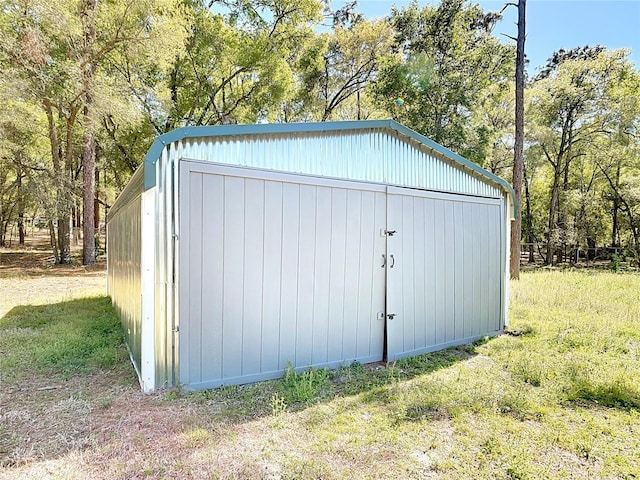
x=557, y=396
x=68, y=338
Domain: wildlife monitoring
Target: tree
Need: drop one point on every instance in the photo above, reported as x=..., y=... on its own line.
x=88, y=65
x=238, y=63
x=616, y=155
x=569, y=109
x=450, y=61
x=64, y=54
x=346, y=63
x=518, y=149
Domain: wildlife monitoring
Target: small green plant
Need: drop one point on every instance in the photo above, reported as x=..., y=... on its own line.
x=106, y=402
x=305, y=387
x=616, y=262
x=278, y=405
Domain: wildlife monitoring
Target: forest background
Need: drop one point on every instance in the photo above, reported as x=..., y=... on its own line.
x=86, y=85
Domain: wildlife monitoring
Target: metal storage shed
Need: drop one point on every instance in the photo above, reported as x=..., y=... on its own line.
x=235, y=251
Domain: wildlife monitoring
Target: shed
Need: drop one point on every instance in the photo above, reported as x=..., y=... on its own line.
x=236, y=251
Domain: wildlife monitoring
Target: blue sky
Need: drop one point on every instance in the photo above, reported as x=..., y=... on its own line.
x=552, y=24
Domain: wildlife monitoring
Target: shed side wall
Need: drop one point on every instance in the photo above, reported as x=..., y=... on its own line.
x=124, y=241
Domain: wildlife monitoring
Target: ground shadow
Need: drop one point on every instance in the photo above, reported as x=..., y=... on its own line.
x=66, y=371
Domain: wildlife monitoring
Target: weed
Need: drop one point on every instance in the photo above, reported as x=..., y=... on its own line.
x=306, y=386
x=278, y=405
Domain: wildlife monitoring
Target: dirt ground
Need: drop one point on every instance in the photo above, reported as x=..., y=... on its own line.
x=96, y=427
x=29, y=276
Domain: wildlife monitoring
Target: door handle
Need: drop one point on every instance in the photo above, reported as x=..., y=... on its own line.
x=384, y=261
x=393, y=261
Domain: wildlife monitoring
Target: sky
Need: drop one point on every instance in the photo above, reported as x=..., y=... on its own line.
x=551, y=24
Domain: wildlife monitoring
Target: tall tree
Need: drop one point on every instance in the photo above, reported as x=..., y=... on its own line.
x=450, y=60
x=88, y=63
x=570, y=107
x=518, y=148
x=238, y=63
x=347, y=64
x=63, y=53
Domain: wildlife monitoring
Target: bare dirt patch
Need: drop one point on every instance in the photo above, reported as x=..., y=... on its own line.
x=29, y=275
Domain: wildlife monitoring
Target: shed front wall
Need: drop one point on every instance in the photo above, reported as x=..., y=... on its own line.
x=276, y=270
x=280, y=269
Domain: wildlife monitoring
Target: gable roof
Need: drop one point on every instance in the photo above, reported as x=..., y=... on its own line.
x=156, y=149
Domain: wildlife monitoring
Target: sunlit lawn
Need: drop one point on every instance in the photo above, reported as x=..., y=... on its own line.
x=557, y=397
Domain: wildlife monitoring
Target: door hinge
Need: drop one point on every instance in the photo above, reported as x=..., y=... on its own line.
x=176, y=329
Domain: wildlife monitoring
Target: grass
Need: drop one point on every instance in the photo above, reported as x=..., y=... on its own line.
x=558, y=396
x=75, y=337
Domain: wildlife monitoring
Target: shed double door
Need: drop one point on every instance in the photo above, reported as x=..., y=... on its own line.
x=279, y=269
x=444, y=282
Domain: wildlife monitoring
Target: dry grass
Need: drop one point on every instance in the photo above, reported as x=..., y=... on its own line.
x=554, y=400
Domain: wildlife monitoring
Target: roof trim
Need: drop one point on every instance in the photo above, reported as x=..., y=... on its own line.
x=155, y=152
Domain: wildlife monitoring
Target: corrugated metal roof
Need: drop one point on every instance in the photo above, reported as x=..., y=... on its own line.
x=381, y=151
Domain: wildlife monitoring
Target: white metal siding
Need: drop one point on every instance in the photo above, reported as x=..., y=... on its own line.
x=124, y=240
x=378, y=156
x=276, y=269
x=445, y=280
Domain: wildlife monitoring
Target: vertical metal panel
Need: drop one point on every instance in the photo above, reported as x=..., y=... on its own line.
x=306, y=274
x=290, y=209
x=232, y=271
x=444, y=278
x=438, y=251
x=148, y=270
x=195, y=272
x=273, y=264
x=300, y=281
x=161, y=235
x=337, y=261
x=375, y=155
x=124, y=270
x=253, y=275
x=209, y=331
x=322, y=267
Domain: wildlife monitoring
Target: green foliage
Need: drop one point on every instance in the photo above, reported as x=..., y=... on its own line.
x=69, y=338
x=452, y=61
x=306, y=386
x=576, y=114
x=338, y=71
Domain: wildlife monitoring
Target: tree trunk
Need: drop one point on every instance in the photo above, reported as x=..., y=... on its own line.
x=529, y=218
x=88, y=225
x=52, y=238
x=553, y=225
x=21, y=233
x=60, y=245
x=518, y=156
x=616, y=208
x=89, y=144
x=96, y=210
